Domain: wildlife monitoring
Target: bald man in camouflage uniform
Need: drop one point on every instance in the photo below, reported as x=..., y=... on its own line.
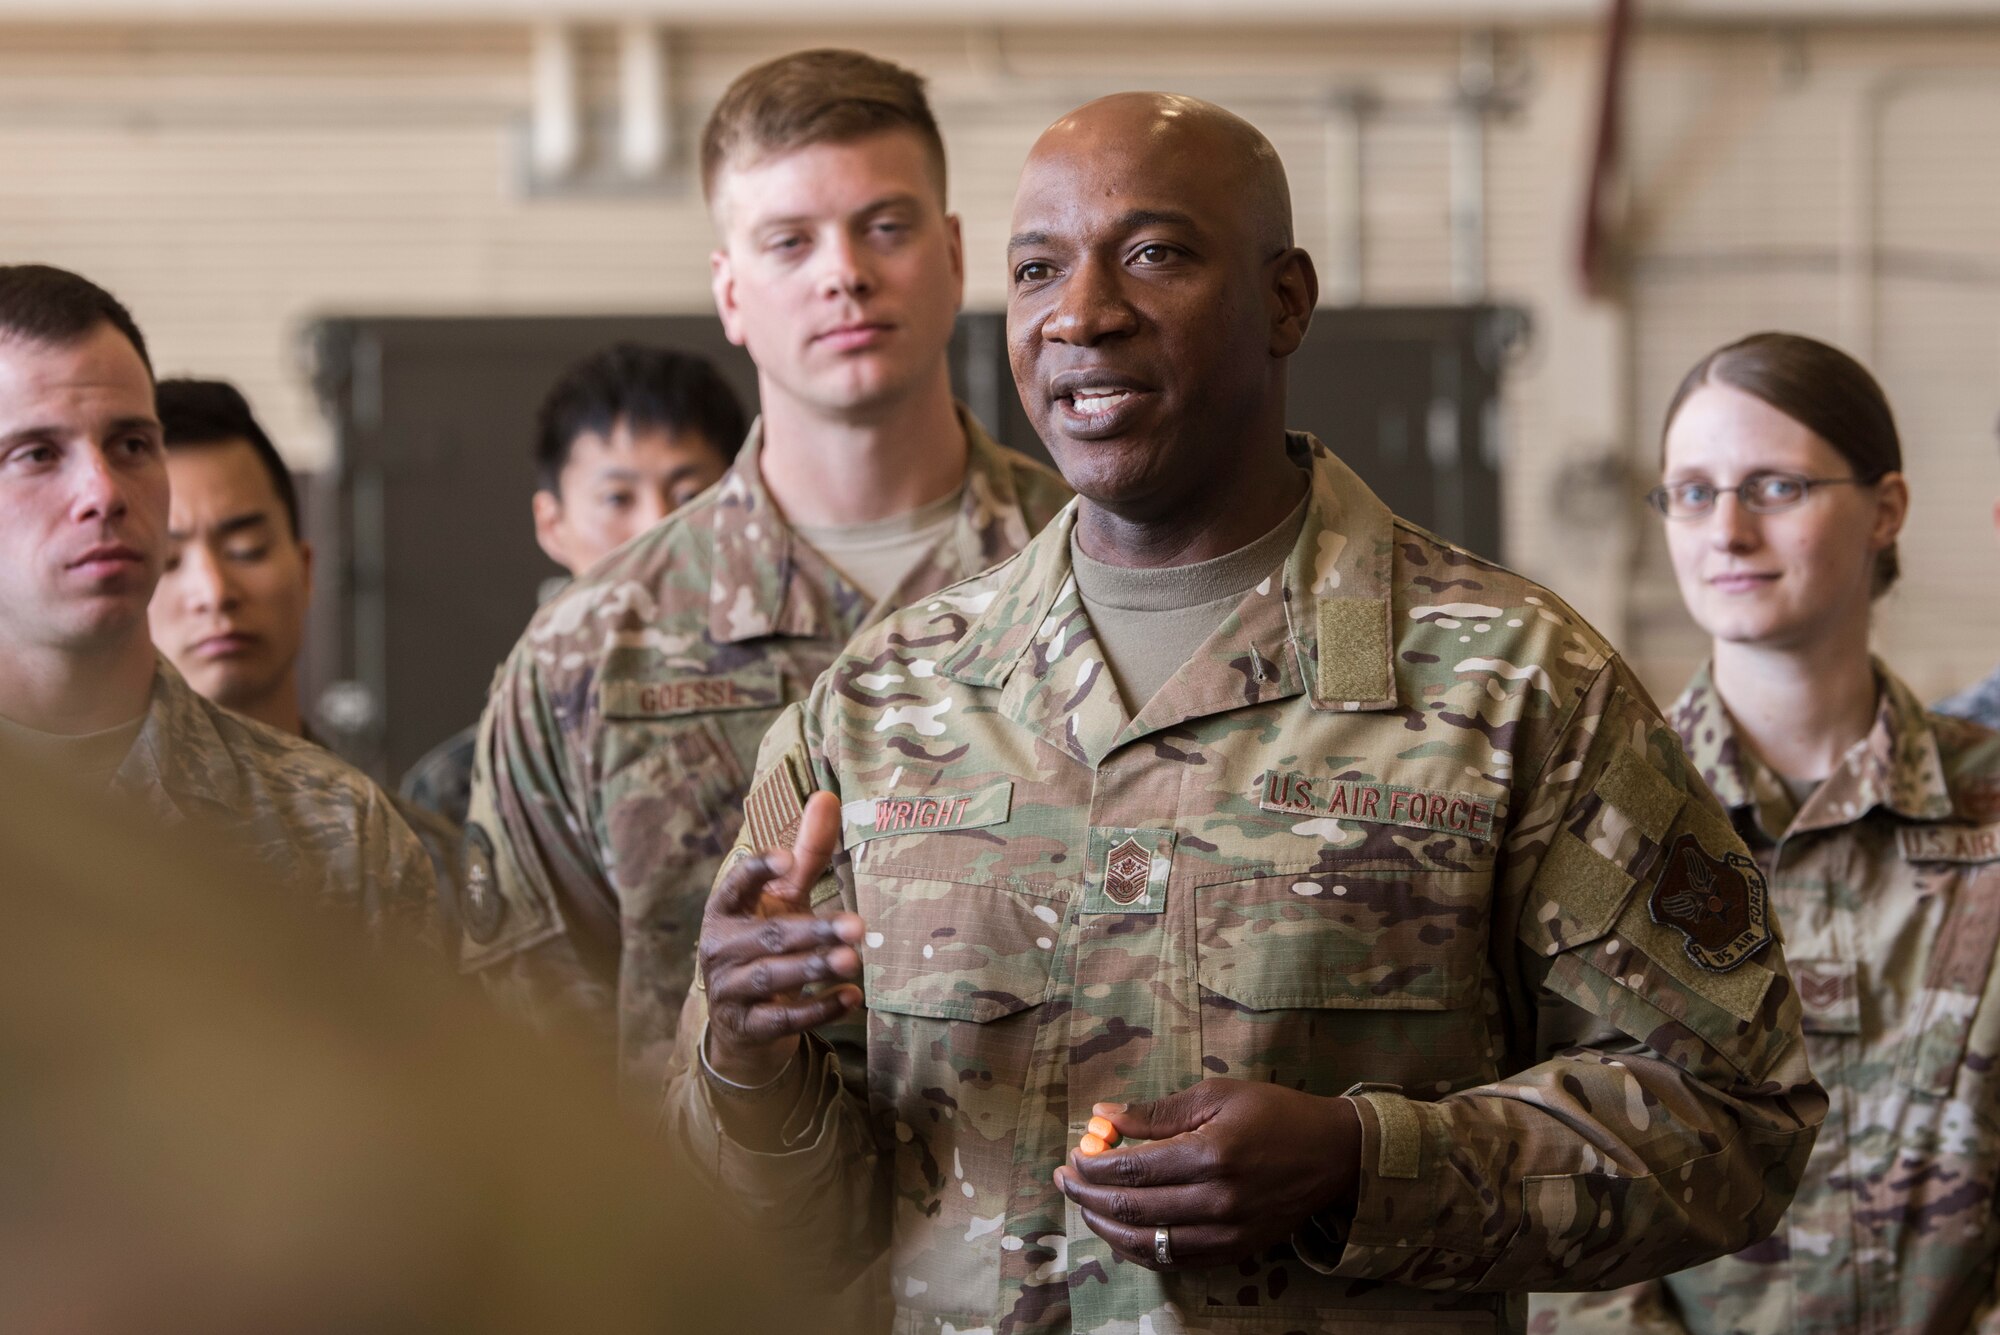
x=1394, y=918
x=1887, y=881
x=621, y=733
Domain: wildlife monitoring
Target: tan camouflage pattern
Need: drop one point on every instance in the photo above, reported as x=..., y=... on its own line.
x=619, y=741
x=1887, y=886
x=443, y=843
x=321, y=825
x=1550, y=1092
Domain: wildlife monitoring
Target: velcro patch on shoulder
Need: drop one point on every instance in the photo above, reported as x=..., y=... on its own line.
x=1354, y=651
x=1642, y=794
x=1586, y=892
x=772, y=811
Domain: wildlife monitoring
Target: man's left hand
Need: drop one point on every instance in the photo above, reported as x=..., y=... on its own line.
x=1231, y=1167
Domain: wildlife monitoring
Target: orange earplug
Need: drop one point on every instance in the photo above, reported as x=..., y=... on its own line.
x=1098, y=1137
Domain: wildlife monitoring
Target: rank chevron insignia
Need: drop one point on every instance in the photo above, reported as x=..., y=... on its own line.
x=1127, y=868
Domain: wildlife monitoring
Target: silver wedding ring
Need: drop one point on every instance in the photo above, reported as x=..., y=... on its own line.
x=1162, y=1254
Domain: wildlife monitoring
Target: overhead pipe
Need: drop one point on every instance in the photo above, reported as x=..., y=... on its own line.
x=555, y=137
x=645, y=125
x=1345, y=176
x=1478, y=81
x=1594, y=242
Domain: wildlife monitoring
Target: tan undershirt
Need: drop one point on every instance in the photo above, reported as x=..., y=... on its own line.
x=1801, y=790
x=91, y=757
x=874, y=557
x=1149, y=621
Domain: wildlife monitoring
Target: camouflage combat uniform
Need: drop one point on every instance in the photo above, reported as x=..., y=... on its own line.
x=321, y=825
x=621, y=733
x=1402, y=826
x=443, y=843
x=1887, y=884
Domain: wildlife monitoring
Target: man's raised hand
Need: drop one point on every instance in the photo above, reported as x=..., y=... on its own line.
x=761, y=945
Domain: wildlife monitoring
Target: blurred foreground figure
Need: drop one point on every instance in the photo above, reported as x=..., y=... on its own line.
x=626, y=437
x=1879, y=827
x=219, y=1119
x=1354, y=874
x=84, y=696
x=230, y=609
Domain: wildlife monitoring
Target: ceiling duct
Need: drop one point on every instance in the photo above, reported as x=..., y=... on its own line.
x=555, y=126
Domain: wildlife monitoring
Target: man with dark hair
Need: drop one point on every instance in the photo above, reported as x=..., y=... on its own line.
x=625, y=437
x=230, y=609
x=44, y=304
x=1353, y=875
x=617, y=746
x=84, y=521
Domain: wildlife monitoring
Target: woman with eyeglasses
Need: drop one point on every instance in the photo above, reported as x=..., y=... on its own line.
x=1878, y=827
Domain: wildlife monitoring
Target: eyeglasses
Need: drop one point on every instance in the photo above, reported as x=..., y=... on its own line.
x=1760, y=494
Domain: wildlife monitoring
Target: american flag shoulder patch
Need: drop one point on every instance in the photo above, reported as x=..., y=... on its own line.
x=772, y=812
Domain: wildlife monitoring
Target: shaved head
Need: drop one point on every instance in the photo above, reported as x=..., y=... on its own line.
x=1154, y=296
x=1221, y=140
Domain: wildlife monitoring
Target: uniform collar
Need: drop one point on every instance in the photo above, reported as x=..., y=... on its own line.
x=179, y=756
x=1325, y=630
x=1897, y=766
x=768, y=581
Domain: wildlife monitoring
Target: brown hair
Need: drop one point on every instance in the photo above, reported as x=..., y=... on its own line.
x=1822, y=389
x=56, y=308
x=825, y=96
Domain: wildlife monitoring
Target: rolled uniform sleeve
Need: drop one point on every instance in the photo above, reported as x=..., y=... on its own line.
x=1671, y=1102
x=527, y=854
x=817, y=1196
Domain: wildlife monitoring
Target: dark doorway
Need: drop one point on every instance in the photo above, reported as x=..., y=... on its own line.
x=428, y=565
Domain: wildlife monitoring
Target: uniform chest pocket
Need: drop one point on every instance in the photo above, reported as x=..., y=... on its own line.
x=948, y=950
x=1960, y=969
x=1367, y=940
x=1324, y=979
x=955, y=977
x=671, y=803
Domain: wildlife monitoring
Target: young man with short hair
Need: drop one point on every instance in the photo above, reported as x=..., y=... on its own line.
x=83, y=537
x=616, y=750
x=625, y=437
